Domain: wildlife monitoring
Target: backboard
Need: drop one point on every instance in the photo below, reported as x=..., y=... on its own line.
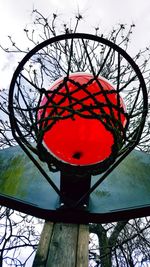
x=124, y=194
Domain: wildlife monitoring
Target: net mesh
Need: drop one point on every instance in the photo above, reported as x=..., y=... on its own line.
x=39, y=101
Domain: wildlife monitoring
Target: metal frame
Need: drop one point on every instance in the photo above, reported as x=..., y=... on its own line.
x=130, y=139
x=69, y=215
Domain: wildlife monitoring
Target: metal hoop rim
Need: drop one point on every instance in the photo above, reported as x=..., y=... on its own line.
x=78, y=36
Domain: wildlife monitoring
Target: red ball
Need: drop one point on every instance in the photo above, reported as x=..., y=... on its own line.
x=79, y=116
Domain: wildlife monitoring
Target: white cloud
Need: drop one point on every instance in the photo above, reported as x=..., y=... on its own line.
x=16, y=14
x=105, y=13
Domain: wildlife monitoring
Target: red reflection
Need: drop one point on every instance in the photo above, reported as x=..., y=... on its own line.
x=78, y=138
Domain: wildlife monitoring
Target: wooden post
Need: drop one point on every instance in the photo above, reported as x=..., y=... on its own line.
x=63, y=245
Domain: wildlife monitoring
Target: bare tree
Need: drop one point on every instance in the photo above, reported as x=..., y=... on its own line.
x=125, y=243
x=19, y=237
x=119, y=244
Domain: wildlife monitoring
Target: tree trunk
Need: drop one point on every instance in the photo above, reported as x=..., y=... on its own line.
x=105, y=250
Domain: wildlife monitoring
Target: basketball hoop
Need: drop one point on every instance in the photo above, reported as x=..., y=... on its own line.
x=82, y=121
x=76, y=110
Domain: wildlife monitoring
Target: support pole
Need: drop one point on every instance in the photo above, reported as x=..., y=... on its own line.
x=63, y=245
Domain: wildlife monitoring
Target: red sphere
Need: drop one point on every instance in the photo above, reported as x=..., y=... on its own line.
x=72, y=133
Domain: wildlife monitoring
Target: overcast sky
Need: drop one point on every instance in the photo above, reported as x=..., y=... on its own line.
x=16, y=14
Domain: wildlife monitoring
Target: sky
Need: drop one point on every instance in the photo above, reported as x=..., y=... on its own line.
x=16, y=14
